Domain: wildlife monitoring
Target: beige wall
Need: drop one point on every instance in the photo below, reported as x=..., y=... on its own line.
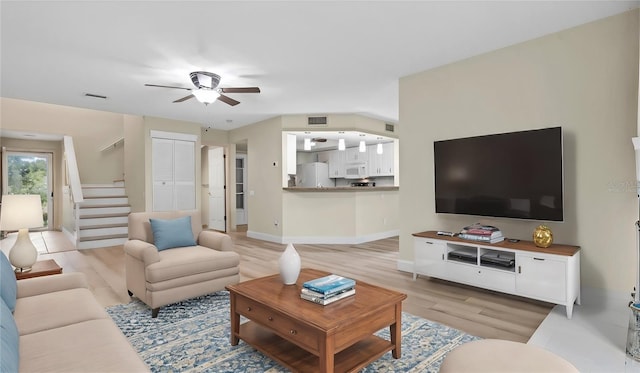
x=91, y=130
x=264, y=203
x=584, y=79
x=327, y=217
x=346, y=122
x=134, y=154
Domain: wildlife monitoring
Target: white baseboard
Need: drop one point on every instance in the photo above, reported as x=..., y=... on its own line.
x=71, y=236
x=328, y=240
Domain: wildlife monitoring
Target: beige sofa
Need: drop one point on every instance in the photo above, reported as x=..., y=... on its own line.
x=161, y=277
x=62, y=328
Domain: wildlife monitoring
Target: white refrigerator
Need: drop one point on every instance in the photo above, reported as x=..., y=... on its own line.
x=313, y=175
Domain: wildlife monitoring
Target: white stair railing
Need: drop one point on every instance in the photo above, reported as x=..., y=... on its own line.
x=74, y=183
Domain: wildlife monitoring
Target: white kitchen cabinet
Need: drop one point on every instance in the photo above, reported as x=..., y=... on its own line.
x=354, y=155
x=381, y=164
x=548, y=274
x=335, y=160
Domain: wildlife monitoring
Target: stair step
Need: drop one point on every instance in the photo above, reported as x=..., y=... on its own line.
x=103, y=206
x=105, y=200
x=99, y=191
x=102, y=219
x=96, y=233
x=105, y=237
x=100, y=226
x=96, y=244
x=104, y=210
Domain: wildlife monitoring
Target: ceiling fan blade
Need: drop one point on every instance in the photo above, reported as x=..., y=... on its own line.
x=240, y=90
x=185, y=98
x=228, y=100
x=166, y=86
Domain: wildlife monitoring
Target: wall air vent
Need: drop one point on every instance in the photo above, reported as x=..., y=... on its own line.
x=389, y=127
x=317, y=121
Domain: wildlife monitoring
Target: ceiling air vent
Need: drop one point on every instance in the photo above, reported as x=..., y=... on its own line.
x=389, y=127
x=317, y=121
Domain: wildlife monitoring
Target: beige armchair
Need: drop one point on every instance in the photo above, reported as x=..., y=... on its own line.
x=163, y=277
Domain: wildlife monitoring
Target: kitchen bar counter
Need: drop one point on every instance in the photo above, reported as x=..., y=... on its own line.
x=341, y=189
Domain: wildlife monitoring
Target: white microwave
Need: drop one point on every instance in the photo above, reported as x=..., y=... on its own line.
x=356, y=170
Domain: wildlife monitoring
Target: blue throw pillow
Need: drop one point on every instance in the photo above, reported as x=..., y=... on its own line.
x=172, y=233
x=8, y=286
x=9, y=344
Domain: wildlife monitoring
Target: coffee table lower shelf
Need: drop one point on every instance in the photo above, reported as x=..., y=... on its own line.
x=297, y=359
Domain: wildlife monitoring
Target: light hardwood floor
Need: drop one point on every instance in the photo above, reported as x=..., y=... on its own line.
x=479, y=312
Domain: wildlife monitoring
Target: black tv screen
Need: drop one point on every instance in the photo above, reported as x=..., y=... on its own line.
x=512, y=175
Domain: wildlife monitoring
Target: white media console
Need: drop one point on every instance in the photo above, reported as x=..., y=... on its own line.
x=549, y=274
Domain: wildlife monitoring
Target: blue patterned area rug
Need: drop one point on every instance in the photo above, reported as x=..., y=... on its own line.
x=193, y=336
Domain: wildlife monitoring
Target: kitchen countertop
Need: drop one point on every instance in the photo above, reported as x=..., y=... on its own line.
x=341, y=189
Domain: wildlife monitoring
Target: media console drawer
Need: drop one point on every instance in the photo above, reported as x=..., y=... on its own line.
x=548, y=274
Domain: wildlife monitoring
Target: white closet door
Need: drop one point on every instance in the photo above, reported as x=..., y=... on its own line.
x=185, y=175
x=173, y=173
x=162, y=169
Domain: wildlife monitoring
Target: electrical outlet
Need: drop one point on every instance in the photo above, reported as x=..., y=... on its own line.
x=275, y=222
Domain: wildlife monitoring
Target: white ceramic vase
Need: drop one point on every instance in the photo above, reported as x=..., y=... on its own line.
x=289, y=263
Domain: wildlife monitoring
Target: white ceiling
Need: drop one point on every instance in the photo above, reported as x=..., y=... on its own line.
x=308, y=57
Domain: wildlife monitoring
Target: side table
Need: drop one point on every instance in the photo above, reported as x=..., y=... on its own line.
x=41, y=268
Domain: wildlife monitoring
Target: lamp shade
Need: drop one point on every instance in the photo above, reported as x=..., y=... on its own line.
x=206, y=96
x=19, y=211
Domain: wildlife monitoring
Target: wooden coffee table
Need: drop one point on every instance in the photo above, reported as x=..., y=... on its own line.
x=308, y=337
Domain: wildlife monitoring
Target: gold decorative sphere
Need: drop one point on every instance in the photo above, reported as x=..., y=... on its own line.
x=542, y=236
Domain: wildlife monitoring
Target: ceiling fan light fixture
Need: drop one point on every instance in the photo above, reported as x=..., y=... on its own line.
x=206, y=96
x=205, y=79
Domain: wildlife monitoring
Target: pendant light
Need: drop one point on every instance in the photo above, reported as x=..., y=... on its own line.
x=341, y=145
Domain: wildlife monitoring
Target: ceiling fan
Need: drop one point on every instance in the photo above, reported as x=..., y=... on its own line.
x=207, y=90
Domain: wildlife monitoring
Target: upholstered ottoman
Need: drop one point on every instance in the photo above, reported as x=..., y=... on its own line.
x=495, y=355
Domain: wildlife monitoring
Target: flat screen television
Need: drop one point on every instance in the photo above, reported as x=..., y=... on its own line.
x=511, y=175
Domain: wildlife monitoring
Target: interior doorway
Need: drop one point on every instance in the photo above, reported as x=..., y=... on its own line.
x=30, y=173
x=217, y=188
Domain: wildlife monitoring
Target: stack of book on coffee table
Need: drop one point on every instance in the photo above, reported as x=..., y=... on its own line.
x=328, y=289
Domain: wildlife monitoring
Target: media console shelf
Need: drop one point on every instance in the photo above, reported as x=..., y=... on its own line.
x=520, y=268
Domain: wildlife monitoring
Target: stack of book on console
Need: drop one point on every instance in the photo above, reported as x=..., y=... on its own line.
x=481, y=233
x=328, y=289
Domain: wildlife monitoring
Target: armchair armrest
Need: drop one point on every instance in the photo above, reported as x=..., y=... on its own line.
x=142, y=250
x=49, y=284
x=215, y=240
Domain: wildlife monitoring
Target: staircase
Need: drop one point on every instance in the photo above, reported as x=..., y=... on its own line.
x=103, y=216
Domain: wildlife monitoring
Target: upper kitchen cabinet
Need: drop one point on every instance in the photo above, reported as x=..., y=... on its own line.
x=354, y=155
x=381, y=164
x=336, y=161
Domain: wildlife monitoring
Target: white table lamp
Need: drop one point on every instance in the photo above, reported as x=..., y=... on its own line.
x=21, y=212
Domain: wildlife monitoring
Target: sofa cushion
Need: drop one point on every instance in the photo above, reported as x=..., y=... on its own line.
x=189, y=261
x=8, y=287
x=9, y=344
x=62, y=308
x=89, y=346
x=172, y=233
